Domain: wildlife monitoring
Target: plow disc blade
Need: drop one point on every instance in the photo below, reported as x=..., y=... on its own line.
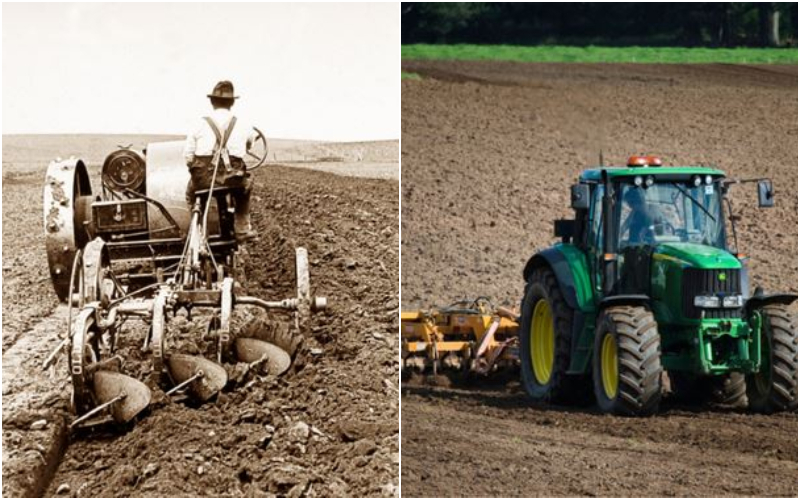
x=183, y=367
x=253, y=350
x=109, y=385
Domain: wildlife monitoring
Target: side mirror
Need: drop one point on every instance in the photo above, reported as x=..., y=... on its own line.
x=564, y=229
x=579, y=196
x=766, y=196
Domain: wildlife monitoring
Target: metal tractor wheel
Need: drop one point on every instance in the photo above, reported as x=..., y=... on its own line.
x=545, y=343
x=774, y=388
x=90, y=285
x=67, y=202
x=83, y=353
x=627, y=361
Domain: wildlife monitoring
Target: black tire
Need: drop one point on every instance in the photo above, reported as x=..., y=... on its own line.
x=727, y=390
x=687, y=389
x=775, y=388
x=561, y=387
x=634, y=333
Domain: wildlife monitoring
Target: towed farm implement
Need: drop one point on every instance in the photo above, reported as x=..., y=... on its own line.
x=468, y=337
x=139, y=251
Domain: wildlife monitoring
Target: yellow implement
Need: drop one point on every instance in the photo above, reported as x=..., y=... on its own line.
x=469, y=336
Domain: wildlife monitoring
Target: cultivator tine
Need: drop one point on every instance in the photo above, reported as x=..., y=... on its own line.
x=256, y=351
x=212, y=377
x=488, y=338
x=124, y=395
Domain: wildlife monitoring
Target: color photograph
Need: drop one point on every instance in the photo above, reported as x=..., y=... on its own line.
x=599, y=250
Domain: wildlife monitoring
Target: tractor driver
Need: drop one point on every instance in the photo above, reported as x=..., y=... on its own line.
x=641, y=218
x=220, y=134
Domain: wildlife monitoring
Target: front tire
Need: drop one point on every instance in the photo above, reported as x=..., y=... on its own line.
x=728, y=390
x=546, y=343
x=774, y=388
x=627, y=362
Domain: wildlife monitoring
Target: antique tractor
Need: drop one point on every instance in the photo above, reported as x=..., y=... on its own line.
x=645, y=281
x=141, y=251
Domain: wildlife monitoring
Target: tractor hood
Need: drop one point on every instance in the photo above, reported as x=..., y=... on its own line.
x=697, y=256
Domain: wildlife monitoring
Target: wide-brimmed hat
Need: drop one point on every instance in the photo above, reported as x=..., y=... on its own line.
x=223, y=90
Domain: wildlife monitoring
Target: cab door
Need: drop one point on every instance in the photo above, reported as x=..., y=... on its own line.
x=595, y=240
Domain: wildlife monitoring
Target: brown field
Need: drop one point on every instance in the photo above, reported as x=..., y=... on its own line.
x=488, y=153
x=345, y=392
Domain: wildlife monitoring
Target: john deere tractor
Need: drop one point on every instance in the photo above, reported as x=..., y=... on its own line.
x=647, y=281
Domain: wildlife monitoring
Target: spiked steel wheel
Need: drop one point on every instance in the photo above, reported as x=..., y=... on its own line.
x=67, y=182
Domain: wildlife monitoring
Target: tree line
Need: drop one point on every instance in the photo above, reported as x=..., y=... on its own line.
x=719, y=24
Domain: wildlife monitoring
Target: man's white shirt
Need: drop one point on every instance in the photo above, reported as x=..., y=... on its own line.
x=201, y=141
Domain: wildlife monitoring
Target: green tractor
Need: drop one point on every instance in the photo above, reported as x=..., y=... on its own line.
x=644, y=283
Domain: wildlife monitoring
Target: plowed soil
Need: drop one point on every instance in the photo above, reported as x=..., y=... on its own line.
x=327, y=428
x=488, y=153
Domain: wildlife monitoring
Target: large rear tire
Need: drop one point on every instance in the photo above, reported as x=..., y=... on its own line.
x=774, y=388
x=627, y=362
x=546, y=343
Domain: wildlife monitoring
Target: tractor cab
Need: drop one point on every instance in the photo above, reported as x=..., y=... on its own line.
x=627, y=216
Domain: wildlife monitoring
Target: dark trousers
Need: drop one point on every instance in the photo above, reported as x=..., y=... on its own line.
x=201, y=172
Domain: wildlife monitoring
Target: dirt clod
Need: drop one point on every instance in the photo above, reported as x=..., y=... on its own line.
x=39, y=425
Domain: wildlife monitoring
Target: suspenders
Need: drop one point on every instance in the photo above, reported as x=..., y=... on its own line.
x=221, y=147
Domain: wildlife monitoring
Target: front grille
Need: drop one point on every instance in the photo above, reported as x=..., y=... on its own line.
x=707, y=282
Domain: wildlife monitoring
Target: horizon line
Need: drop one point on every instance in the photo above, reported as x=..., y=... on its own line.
x=183, y=135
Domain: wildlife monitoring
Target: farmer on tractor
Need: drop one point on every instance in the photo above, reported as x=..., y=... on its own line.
x=640, y=218
x=220, y=136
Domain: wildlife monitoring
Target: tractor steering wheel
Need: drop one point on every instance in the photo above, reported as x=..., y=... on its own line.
x=257, y=154
x=650, y=232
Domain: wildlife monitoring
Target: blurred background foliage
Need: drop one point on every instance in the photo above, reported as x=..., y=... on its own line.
x=706, y=24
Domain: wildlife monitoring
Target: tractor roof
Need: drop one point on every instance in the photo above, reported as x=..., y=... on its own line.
x=670, y=172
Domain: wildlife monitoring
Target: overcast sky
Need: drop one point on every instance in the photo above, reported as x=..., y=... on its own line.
x=313, y=71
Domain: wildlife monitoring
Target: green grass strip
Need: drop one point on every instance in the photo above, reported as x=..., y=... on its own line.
x=406, y=75
x=593, y=54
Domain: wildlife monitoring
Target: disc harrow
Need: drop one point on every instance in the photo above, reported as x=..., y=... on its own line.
x=471, y=337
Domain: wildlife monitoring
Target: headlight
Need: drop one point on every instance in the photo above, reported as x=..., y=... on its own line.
x=696, y=180
x=708, y=180
x=706, y=302
x=649, y=181
x=638, y=180
x=733, y=301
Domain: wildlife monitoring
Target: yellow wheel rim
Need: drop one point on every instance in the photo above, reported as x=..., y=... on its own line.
x=542, y=345
x=609, y=366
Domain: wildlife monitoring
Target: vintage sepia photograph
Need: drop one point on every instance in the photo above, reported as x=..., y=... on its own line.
x=200, y=250
x=599, y=249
